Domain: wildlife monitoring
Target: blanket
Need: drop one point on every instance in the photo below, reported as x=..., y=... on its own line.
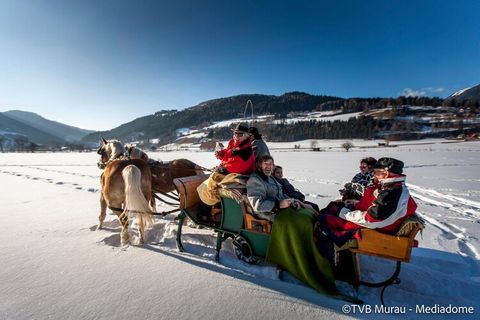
x=293, y=248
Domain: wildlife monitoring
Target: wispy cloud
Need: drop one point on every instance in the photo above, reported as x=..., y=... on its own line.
x=422, y=92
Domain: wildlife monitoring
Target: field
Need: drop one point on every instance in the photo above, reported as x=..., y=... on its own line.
x=54, y=264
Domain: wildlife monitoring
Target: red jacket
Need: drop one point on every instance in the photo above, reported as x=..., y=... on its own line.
x=238, y=158
x=381, y=209
x=378, y=203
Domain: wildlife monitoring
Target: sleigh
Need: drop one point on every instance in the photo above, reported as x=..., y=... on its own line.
x=251, y=234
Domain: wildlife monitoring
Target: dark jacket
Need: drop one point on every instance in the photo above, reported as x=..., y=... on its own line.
x=289, y=190
x=260, y=148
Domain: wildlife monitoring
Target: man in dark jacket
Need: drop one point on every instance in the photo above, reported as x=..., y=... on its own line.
x=287, y=187
x=259, y=146
x=289, y=190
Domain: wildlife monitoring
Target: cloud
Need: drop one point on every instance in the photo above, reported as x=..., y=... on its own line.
x=422, y=92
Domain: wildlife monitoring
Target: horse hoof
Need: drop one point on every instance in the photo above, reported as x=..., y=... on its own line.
x=99, y=227
x=124, y=240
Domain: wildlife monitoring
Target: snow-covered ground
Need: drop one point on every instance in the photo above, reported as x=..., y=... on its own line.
x=53, y=264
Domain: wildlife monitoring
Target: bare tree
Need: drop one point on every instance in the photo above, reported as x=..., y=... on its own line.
x=347, y=145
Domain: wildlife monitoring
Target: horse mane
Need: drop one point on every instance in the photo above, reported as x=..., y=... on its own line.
x=115, y=149
x=135, y=153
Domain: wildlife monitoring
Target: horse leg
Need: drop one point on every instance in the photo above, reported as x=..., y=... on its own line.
x=153, y=203
x=124, y=236
x=103, y=212
x=141, y=229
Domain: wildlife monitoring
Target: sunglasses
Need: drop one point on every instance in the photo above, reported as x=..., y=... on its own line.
x=240, y=134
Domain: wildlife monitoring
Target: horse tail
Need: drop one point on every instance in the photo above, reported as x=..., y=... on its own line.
x=134, y=198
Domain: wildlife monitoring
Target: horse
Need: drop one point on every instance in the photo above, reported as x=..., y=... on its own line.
x=162, y=173
x=127, y=187
x=109, y=150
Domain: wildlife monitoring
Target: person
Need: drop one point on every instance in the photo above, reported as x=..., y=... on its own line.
x=289, y=189
x=258, y=144
x=238, y=156
x=236, y=159
x=265, y=193
x=356, y=187
x=291, y=245
x=384, y=206
x=365, y=176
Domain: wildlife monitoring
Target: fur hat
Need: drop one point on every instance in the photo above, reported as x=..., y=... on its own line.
x=240, y=128
x=390, y=164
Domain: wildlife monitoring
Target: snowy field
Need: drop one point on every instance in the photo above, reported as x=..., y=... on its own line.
x=54, y=265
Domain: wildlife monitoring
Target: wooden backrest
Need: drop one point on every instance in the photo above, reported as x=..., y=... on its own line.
x=252, y=222
x=187, y=190
x=386, y=246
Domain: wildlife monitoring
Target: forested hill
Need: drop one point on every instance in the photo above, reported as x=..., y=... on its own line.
x=163, y=124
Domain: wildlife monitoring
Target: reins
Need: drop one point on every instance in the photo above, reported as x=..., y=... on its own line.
x=152, y=213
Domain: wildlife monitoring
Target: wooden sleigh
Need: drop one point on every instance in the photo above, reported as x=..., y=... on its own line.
x=251, y=234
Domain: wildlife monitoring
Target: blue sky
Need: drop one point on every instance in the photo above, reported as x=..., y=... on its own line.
x=98, y=64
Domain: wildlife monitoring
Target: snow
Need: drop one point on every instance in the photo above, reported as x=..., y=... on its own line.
x=320, y=116
x=54, y=265
x=459, y=92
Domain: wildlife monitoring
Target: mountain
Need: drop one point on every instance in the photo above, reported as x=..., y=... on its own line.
x=59, y=130
x=472, y=94
x=14, y=129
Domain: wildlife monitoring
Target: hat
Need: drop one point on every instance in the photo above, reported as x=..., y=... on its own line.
x=390, y=164
x=240, y=128
x=254, y=132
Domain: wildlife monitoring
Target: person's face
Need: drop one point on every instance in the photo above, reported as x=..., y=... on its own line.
x=278, y=173
x=380, y=174
x=239, y=136
x=267, y=167
x=363, y=167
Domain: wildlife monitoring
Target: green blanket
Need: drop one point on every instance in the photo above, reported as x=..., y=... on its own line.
x=292, y=247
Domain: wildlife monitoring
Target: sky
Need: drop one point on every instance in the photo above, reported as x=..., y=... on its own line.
x=99, y=64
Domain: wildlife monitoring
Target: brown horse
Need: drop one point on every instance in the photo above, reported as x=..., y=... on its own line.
x=127, y=187
x=163, y=173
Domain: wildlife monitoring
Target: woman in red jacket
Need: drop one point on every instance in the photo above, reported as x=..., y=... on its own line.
x=236, y=159
x=238, y=156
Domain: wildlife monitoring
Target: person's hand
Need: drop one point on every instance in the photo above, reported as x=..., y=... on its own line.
x=285, y=203
x=296, y=204
x=350, y=203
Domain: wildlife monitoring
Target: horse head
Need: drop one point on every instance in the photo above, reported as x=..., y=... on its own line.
x=109, y=150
